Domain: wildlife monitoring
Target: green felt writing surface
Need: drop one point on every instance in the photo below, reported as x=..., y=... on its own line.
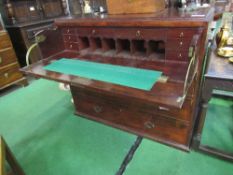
x=121, y=75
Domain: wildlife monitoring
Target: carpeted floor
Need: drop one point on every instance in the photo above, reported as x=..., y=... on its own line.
x=48, y=139
x=38, y=124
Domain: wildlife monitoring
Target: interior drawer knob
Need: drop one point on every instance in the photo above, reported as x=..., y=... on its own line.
x=6, y=75
x=138, y=33
x=180, y=55
x=149, y=125
x=181, y=43
x=93, y=32
x=97, y=109
x=181, y=34
x=0, y=60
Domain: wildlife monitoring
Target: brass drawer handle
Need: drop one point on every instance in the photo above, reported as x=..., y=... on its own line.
x=149, y=125
x=181, y=43
x=1, y=60
x=163, y=108
x=6, y=75
x=180, y=55
x=97, y=109
x=138, y=33
x=93, y=31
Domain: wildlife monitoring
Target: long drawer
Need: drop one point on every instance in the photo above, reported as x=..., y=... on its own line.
x=7, y=56
x=5, y=41
x=126, y=115
x=9, y=74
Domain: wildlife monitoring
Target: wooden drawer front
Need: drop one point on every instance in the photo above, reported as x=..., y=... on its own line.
x=7, y=56
x=71, y=46
x=178, y=44
x=126, y=117
x=182, y=33
x=9, y=74
x=5, y=41
x=177, y=55
x=118, y=33
x=70, y=38
x=183, y=114
x=68, y=31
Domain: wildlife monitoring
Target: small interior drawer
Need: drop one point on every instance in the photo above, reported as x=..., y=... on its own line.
x=177, y=55
x=178, y=44
x=9, y=74
x=120, y=33
x=5, y=41
x=181, y=33
x=7, y=56
x=68, y=31
x=70, y=38
x=71, y=46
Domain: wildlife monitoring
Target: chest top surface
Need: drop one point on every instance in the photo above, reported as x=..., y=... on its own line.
x=168, y=18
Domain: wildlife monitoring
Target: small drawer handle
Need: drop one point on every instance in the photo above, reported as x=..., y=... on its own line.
x=180, y=55
x=181, y=43
x=138, y=33
x=71, y=46
x=6, y=75
x=97, y=109
x=93, y=32
x=1, y=60
x=149, y=125
x=182, y=34
x=163, y=108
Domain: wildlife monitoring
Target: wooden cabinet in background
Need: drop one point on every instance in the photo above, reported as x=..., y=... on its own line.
x=26, y=17
x=9, y=67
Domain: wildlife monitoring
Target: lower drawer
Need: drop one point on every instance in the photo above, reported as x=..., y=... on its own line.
x=123, y=115
x=5, y=41
x=7, y=56
x=9, y=75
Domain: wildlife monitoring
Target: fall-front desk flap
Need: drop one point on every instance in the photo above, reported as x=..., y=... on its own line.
x=121, y=75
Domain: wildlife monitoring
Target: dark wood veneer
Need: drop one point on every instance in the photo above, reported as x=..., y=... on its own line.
x=165, y=42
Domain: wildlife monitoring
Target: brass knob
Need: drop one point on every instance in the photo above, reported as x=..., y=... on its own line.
x=69, y=37
x=97, y=109
x=181, y=34
x=68, y=30
x=138, y=33
x=93, y=32
x=0, y=60
x=180, y=55
x=71, y=46
x=149, y=125
x=6, y=75
x=181, y=43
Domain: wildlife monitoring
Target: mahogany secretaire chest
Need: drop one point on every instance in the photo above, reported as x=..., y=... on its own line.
x=170, y=42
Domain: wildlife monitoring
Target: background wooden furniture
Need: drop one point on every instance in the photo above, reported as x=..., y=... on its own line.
x=25, y=18
x=6, y=156
x=219, y=75
x=135, y=6
x=9, y=67
x=170, y=41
